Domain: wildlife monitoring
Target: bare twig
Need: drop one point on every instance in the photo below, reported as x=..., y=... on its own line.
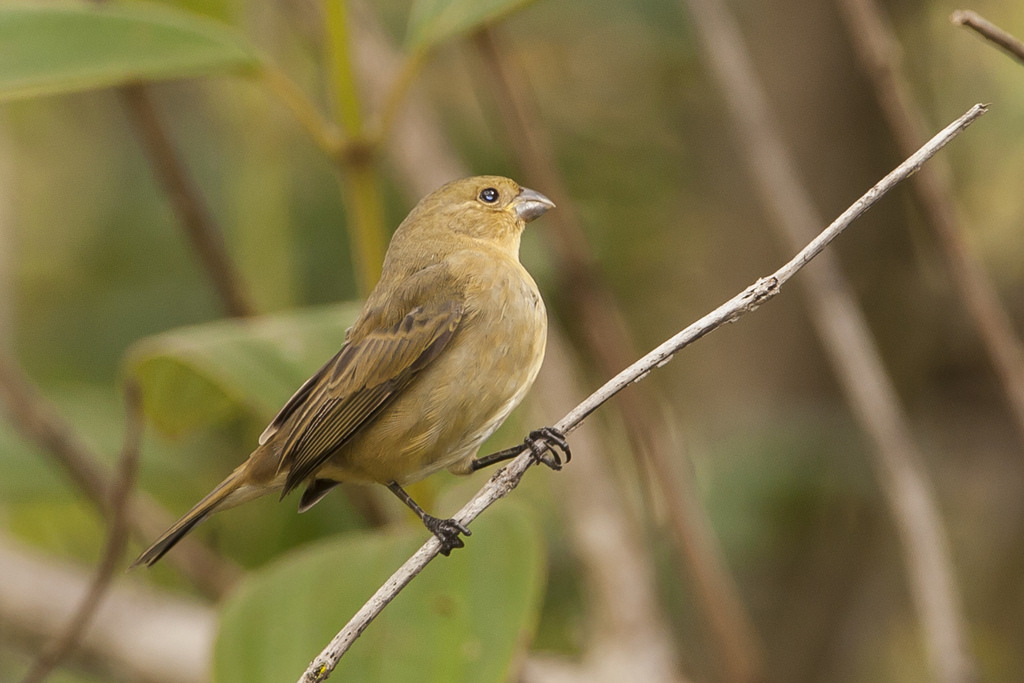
x=117, y=539
x=986, y=29
x=850, y=348
x=603, y=329
x=39, y=422
x=876, y=45
x=186, y=200
x=506, y=479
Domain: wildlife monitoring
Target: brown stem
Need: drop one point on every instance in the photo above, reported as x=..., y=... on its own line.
x=876, y=46
x=847, y=340
x=186, y=201
x=117, y=539
x=39, y=422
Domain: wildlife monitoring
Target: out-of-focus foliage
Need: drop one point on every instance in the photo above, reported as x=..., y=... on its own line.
x=193, y=378
x=460, y=621
x=96, y=281
x=432, y=22
x=51, y=49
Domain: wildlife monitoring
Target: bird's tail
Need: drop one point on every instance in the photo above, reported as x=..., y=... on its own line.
x=230, y=492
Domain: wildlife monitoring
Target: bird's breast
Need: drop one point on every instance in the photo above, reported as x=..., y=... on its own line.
x=458, y=400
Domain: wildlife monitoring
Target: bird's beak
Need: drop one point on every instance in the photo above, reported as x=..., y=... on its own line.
x=530, y=204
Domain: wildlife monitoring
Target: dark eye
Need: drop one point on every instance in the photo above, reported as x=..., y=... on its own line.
x=488, y=195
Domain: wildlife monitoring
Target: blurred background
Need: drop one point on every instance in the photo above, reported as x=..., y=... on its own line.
x=766, y=476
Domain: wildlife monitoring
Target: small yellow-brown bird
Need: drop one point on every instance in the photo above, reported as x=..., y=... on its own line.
x=447, y=344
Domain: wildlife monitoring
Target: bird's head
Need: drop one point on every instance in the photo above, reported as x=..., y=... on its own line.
x=489, y=208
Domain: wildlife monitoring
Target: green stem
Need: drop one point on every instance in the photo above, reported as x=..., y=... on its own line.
x=360, y=187
x=361, y=192
x=346, y=95
x=324, y=133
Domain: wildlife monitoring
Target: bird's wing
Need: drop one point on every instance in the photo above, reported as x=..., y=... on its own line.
x=297, y=399
x=355, y=385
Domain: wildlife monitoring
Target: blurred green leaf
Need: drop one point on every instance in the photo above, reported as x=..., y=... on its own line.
x=57, y=48
x=435, y=21
x=197, y=376
x=464, y=618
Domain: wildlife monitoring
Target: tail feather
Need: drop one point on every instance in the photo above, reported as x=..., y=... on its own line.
x=218, y=499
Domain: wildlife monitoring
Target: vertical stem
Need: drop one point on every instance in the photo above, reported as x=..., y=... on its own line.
x=346, y=96
x=361, y=191
x=359, y=184
x=874, y=40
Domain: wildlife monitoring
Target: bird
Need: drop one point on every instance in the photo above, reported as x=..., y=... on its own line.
x=447, y=343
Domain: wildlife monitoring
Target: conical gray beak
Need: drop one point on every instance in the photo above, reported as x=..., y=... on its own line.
x=530, y=204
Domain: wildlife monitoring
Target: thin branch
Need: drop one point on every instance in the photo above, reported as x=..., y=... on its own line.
x=846, y=339
x=506, y=479
x=876, y=46
x=187, y=201
x=600, y=324
x=117, y=539
x=986, y=29
x=39, y=422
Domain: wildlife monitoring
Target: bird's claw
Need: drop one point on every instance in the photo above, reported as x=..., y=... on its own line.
x=447, y=532
x=553, y=448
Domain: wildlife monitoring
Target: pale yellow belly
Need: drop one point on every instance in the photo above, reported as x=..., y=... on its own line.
x=444, y=416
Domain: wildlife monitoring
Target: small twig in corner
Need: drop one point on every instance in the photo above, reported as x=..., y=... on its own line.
x=506, y=479
x=117, y=538
x=874, y=41
x=989, y=31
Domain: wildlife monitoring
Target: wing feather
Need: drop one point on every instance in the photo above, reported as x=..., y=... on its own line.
x=355, y=385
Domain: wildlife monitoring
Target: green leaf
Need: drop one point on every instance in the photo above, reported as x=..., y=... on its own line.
x=434, y=21
x=58, y=48
x=465, y=618
x=197, y=376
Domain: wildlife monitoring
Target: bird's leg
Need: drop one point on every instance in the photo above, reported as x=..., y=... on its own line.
x=446, y=530
x=546, y=453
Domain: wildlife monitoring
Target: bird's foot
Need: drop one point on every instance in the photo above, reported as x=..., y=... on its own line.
x=447, y=532
x=553, y=448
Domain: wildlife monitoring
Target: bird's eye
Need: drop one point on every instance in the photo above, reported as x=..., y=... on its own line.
x=488, y=195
